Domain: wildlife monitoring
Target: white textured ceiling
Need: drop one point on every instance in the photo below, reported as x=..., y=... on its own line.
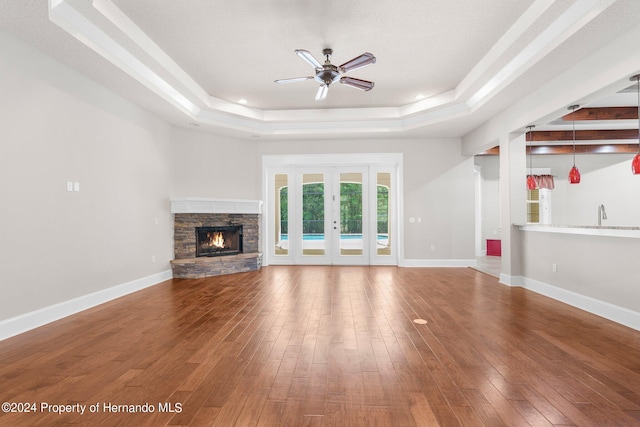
x=236, y=49
x=191, y=61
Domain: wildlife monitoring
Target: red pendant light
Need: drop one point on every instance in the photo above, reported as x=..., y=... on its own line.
x=635, y=163
x=574, y=173
x=531, y=181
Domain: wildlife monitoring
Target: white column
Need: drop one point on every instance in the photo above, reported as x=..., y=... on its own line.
x=513, y=200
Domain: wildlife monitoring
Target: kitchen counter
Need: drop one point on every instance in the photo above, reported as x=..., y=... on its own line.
x=591, y=230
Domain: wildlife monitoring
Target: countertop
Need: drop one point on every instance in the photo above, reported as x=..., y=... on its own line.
x=592, y=230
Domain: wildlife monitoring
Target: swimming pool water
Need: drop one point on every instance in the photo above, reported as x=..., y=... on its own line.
x=342, y=236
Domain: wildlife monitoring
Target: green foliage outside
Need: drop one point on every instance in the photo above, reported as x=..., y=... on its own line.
x=350, y=208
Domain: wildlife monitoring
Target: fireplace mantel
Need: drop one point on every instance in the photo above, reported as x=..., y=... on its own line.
x=232, y=206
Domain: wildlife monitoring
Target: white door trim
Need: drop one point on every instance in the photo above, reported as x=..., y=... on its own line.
x=275, y=163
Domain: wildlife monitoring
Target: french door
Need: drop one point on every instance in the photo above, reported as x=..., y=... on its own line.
x=330, y=215
x=330, y=209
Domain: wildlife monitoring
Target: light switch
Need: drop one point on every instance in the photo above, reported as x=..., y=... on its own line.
x=69, y=186
x=76, y=186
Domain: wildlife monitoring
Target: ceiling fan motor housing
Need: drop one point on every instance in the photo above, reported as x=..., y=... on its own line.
x=328, y=74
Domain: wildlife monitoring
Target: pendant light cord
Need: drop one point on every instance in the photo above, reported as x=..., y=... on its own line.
x=573, y=121
x=530, y=150
x=638, y=86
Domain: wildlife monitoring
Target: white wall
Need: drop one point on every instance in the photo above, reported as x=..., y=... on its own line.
x=602, y=268
x=584, y=274
x=605, y=179
x=58, y=126
x=438, y=188
x=212, y=166
x=59, y=246
x=490, y=189
x=438, y=181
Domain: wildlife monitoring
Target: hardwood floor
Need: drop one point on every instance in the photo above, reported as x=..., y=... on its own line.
x=327, y=346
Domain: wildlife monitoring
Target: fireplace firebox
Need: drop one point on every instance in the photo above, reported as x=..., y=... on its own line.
x=218, y=241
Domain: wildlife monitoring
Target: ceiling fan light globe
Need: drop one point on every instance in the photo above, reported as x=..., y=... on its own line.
x=328, y=74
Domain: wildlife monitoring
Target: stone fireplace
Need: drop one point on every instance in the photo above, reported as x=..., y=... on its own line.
x=215, y=236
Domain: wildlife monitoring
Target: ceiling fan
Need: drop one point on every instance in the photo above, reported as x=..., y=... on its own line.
x=329, y=73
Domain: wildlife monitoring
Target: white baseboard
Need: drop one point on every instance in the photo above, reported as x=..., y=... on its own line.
x=25, y=322
x=509, y=280
x=439, y=263
x=615, y=313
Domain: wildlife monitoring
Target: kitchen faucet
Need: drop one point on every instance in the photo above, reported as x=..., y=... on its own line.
x=602, y=214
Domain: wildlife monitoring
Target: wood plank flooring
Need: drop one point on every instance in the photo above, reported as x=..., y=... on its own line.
x=327, y=346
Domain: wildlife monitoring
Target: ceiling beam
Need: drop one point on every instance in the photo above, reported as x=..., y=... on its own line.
x=583, y=135
x=568, y=149
x=603, y=113
x=584, y=114
x=584, y=149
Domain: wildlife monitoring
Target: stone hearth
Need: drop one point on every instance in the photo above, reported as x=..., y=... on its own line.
x=192, y=213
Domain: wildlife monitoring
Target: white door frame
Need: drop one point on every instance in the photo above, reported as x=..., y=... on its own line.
x=391, y=162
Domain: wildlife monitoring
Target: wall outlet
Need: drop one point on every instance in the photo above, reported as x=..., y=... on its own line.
x=153, y=258
x=554, y=267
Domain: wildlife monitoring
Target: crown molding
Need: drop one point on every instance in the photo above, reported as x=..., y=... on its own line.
x=126, y=46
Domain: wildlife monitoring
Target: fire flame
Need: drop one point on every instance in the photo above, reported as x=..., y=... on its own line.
x=216, y=239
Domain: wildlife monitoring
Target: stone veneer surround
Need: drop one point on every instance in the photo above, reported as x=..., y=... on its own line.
x=186, y=264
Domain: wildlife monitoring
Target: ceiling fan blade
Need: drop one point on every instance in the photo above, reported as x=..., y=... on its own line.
x=357, y=83
x=311, y=60
x=358, y=62
x=293, y=80
x=322, y=92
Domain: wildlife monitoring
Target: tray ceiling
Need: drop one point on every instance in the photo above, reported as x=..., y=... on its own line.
x=443, y=67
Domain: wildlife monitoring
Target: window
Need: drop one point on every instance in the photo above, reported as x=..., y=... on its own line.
x=539, y=206
x=533, y=206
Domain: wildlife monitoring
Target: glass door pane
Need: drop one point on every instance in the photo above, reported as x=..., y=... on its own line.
x=281, y=214
x=350, y=212
x=313, y=214
x=383, y=213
